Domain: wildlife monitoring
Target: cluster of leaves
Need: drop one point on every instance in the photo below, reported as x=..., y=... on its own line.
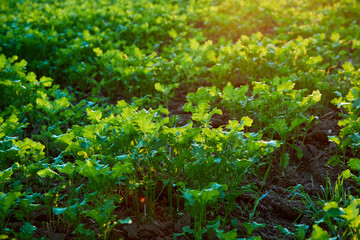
x=106, y=46
x=68, y=151
x=121, y=152
x=335, y=213
x=338, y=214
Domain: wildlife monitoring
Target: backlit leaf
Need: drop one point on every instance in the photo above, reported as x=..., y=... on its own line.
x=319, y=234
x=246, y=121
x=348, y=67
x=194, y=44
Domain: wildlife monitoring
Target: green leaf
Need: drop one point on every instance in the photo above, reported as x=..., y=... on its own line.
x=301, y=231
x=27, y=229
x=334, y=139
x=289, y=85
x=61, y=103
x=208, y=195
x=332, y=209
x=356, y=103
x=145, y=122
x=231, y=235
x=252, y=226
x=335, y=37
x=194, y=45
x=67, y=168
x=333, y=161
x=43, y=104
x=246, y=121
x=173, y=34
x=314, y=60
x=102, y=214
x=58, y=211
x=120, y=169
x=354, y=164
x=348, y=67
x=298, y=151
x=95, y=116
x=243, y=164
x=5, y=175
x=87, y=169
x=280, y=126
x=159, y=87
x=319, y=234
x=46, y=81
x=65, y=138
x=6, y=201
x=125, y=221
x=296, y=122
x=351, y=211
x=330, y=205
x=46, y=172
x=284, y=160
x=2, y=61
x=346, y=174
x=233, y=124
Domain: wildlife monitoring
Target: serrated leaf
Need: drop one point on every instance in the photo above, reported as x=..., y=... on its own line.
x=354, y=164
x=94, y=115
x=145, y=122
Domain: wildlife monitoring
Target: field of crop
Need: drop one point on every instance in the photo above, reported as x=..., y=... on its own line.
x=180, y=119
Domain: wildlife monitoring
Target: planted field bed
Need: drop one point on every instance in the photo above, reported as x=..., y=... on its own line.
x=179, y=119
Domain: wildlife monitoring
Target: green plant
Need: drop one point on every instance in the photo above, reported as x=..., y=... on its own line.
x=196, y=204
x=166, y=90
x=104, y=217
x=7, y=200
